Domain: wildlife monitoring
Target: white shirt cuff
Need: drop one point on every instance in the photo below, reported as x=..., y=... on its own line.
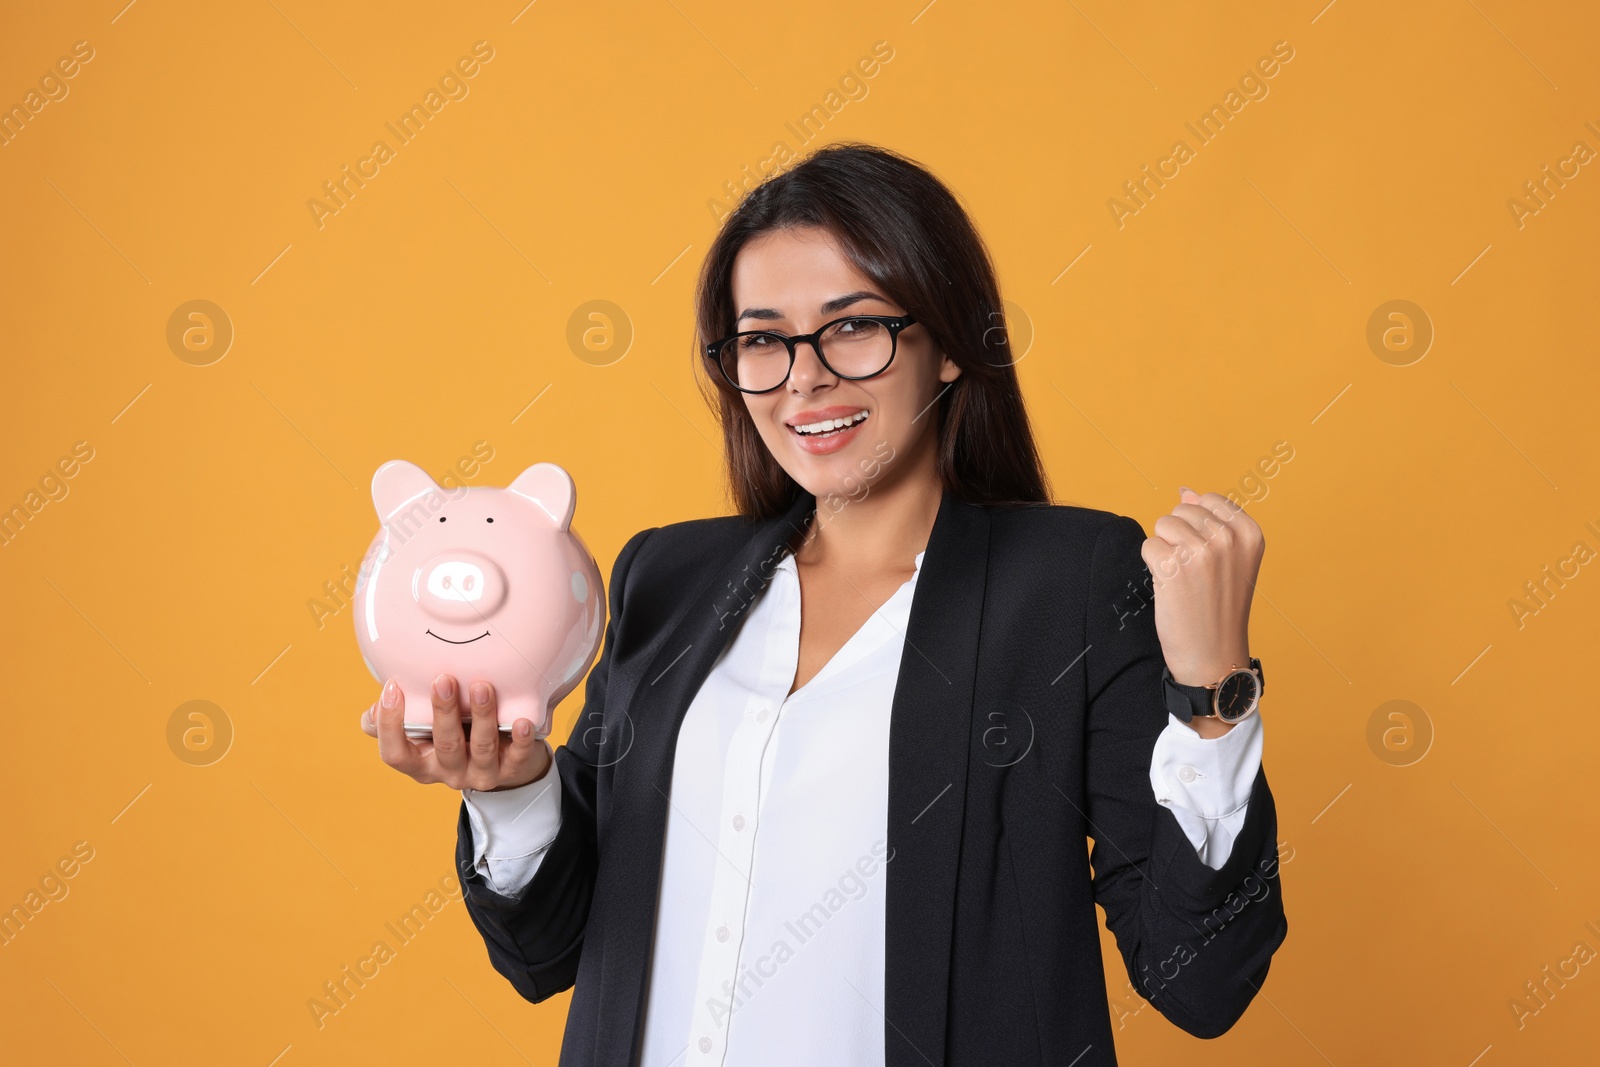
x=1206, y=782
x=512, y=829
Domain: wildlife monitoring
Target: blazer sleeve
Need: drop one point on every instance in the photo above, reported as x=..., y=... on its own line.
x=1197, y=942
x=534, y=938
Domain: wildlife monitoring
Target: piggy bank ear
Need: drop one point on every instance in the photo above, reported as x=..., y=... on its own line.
x=396, y=484
x=551, y=488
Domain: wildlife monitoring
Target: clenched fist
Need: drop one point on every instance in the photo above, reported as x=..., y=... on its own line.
x=1203, y=560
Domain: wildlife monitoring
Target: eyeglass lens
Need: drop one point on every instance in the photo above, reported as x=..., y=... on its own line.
x=854, y=348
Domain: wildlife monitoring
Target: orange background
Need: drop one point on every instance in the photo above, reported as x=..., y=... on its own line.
x=433, y=311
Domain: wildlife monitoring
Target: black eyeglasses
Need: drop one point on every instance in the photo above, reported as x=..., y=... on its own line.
x=856, y=347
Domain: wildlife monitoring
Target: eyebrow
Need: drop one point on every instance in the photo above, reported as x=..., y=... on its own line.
x=838, y=303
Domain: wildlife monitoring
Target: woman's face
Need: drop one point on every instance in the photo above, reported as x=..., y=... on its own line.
x=793, y=281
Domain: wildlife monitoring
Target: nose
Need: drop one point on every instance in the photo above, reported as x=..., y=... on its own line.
x=459, y=586
x=808, y=371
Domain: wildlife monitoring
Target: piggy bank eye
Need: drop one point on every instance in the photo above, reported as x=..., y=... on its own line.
x=441, y=518
x=488, y=520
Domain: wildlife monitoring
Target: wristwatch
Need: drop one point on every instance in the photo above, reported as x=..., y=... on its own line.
x=1233, y=699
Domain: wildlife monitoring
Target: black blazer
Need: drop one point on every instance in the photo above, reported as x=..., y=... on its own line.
x=1024, y=716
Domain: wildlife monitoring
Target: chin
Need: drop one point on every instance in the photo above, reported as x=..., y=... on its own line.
x=847, y=472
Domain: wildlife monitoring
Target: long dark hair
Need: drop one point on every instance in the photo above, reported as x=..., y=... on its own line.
x=906, y=231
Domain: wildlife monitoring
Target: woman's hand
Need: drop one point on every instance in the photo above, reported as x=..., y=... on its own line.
x=1204, y=559
x=487, y=761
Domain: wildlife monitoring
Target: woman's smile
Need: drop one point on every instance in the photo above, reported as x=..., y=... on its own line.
x=820, y=431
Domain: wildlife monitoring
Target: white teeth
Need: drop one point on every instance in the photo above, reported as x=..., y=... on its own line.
x=829, y=425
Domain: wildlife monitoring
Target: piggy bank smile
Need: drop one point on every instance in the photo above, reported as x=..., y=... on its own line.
x=468, y=641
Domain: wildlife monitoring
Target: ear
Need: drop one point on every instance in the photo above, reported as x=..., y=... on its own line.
x=552, y=489
x=949, y=369
x=396, y=484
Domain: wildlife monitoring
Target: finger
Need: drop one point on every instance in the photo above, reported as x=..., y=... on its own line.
x=1219, y=504
x=449, y=749
x=1239, y=521
x=522, y=751
x=1205, y=521
x=394, y=746
x=369, y=720
x=484, y=746
x=1179, y=533
x=1165, y=561
x=1155, y=552
x=1221, y=507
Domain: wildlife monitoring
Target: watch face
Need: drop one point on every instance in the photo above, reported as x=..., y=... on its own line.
x=1237, y=695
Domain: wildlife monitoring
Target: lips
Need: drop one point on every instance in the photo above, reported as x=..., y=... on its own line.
x=814, y=415
x=468, y=641
x=822, y=444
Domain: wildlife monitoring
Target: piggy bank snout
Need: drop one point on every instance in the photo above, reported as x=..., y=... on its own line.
x=460, y=586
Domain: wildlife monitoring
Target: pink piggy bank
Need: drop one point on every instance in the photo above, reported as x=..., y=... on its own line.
x=479, y=583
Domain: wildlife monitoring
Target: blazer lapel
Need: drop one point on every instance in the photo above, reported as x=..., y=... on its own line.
x=630, y=864
x=929, y=734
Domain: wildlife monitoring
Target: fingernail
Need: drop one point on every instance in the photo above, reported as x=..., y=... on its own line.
x=1184, y=489
x=480, y=693
x=391, y=694
x=522, y=728
x=444, y=687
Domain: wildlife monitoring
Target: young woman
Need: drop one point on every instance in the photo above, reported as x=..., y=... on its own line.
x=827, y=799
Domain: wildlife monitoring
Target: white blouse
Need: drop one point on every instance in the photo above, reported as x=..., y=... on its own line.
x=771, y=912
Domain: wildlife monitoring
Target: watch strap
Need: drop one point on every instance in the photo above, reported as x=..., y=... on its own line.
x=1185, y=702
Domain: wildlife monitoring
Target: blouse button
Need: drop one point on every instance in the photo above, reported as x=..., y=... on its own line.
x=1186, y=774
x=705, y=1044
x=722, y=933
x=738, y=822
x=763, y=714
